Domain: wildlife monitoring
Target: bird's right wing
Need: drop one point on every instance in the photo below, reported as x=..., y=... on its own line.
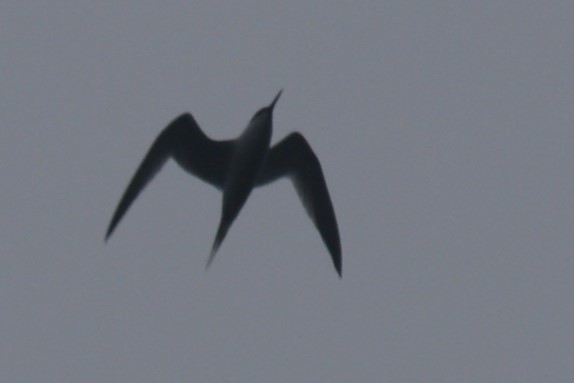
x=155, y=158
x=293, y=157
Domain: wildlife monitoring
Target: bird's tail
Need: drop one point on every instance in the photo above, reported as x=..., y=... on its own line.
x=219, y=237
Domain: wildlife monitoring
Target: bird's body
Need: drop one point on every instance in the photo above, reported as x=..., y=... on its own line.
x=235, y=167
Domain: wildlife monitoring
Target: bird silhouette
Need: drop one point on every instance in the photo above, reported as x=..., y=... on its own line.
x=235, y=167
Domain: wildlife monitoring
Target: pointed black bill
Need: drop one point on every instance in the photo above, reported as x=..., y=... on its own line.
x=272, y=105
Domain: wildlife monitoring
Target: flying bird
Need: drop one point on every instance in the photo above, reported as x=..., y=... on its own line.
x=235, y=167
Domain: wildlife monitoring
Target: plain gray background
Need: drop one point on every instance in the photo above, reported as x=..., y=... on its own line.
x=445, y=131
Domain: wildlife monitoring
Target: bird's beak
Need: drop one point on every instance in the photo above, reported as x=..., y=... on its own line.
x=272, y=105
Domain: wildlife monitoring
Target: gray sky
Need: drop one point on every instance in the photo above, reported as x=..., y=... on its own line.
x=445, y=131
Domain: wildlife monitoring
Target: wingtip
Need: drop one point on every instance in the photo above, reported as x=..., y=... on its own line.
x=339, y=269
x=214, y=249
x=109, y=232
x=337, y=258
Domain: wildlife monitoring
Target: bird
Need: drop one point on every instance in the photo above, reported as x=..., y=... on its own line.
x=235, y=167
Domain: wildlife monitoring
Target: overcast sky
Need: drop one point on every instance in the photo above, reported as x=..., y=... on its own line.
x=445, y=132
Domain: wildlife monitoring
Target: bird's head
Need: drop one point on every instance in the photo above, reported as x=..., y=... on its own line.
x=264, y=114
